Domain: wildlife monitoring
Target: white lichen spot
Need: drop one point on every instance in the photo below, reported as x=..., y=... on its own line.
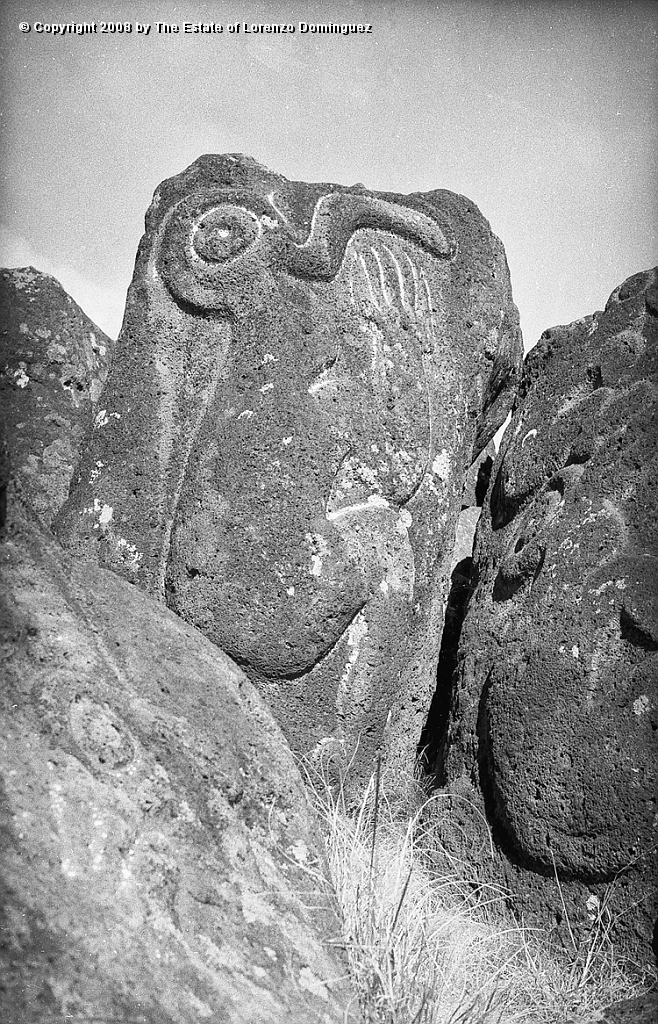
x=265, y=388
x=599, y=590
x=21, y=379
x=290, y=591
x=286, y=441
x=269, y=952
x=383, y=586
x=575, y=651
x=106, y=515
x=312, y=984
x=269, y=358
x=441, y=465
x=641, y=705
x=269, y=222
x=246, y=415
x=103, y=418
x=130, y=556
x=620, y=584
x=24, y=329
x=531, y=433
x=405, y=519
x=92, y=510
x=319, y=550
x=367, y=474
x=96, y=471
x=68, y=869
x=299, y=852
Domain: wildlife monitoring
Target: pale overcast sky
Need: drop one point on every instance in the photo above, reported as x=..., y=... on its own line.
x=543, y=113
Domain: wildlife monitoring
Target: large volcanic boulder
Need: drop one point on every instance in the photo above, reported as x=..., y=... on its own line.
x=555, y=708
x=53, y=363
x=159, y=859
x=304, y=374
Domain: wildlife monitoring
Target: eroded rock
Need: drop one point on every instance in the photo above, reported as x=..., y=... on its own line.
x=159, y=859
x=555, y=708
x=304, y=374
x=53, y=363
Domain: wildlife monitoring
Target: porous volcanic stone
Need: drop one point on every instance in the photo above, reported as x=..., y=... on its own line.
x=643, y=1010
x=154, y=827
x=53, y=363
x=304, y=374
x=555, y=708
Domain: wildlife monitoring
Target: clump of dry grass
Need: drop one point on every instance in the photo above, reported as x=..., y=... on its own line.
x=442, y=949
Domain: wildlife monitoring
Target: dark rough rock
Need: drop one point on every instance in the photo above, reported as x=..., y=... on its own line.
x=153, y=825
x=643, y=1010
x=304, y=374
x=554, y=713
x=431, y=745
x=53, y=363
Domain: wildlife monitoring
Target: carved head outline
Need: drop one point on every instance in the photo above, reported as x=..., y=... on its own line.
x=212, y=240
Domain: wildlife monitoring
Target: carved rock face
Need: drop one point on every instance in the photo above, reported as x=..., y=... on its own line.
x=557, y=696
x=302, y=376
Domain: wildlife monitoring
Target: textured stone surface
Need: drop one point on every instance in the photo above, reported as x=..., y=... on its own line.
x=554, y=713
x=153, y=825
x=643, y=1010
x=53, y=362
x=304, y=374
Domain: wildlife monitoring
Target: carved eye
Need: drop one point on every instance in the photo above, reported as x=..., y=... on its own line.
x=224, y=233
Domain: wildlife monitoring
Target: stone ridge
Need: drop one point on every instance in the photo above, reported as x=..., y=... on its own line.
x=53, y=364
x=304, y=375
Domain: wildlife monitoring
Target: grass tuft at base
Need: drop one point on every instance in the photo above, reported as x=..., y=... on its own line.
x=444, y=949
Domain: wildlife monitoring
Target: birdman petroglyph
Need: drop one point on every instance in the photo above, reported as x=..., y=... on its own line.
x=303, y=376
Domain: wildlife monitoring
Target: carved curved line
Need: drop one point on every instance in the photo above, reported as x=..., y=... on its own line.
x=400, y=276
x=339, y=215
x=414, y=275
x=206, y=399
x=388, y=298
x=194, y=224
x=428, y=292
x=367, y=276
x=374, y=502
x=280, y=213
x=350, y=278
